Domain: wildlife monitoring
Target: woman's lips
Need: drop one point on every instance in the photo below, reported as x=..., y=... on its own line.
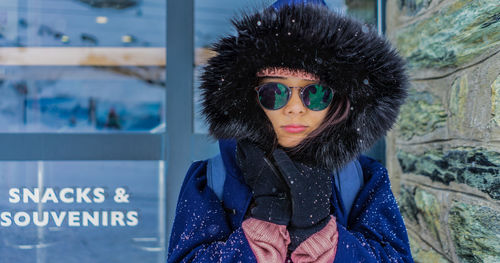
x=294, y=128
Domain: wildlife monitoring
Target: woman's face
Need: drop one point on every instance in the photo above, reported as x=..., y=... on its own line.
x=294, y=121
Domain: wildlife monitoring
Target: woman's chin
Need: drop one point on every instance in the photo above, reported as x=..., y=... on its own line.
x=289, y=143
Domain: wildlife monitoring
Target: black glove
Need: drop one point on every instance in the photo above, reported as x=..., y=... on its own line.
x=269, y=190
x=310, y=190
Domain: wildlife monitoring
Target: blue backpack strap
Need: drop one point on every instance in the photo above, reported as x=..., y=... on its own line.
x=349, y=181
x=216, y=175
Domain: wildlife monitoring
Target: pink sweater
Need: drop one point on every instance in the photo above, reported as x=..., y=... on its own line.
x=269, y=242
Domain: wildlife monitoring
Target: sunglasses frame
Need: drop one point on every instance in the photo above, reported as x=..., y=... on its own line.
x=289, y=90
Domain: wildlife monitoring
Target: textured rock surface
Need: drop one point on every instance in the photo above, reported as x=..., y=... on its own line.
x=428, y=206
x=424, y=255
x=423, y=210
x=478, y=168
x=422, y=113
x=452, y=35
x=407, y=204
x=476, y=232
x=444, y=150
x=458, y=99
x=495, y=101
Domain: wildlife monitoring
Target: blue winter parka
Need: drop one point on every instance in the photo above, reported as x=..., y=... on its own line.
x=208, y=230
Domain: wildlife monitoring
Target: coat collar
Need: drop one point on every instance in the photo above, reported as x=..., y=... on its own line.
x=236, y=195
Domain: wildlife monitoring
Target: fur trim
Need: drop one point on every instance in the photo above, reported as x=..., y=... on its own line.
x=345, y=54
x=286, y=72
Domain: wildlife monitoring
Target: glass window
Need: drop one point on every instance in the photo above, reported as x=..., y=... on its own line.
x=366, y=10
x=82, y=66
x=96, y=211
x=211, y=20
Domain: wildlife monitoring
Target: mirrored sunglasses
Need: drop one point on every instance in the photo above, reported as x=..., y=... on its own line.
x=274, y=96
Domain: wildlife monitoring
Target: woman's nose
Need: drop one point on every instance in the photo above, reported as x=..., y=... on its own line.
x=294, y=105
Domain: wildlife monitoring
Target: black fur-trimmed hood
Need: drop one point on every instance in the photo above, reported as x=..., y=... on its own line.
x=345, y=54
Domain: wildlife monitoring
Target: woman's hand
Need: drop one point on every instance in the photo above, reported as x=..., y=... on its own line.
x=269, y=189
x=310, y=190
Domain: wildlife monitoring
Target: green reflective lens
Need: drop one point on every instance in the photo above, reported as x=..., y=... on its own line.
x=281, y=97
x=273, y=96
x=317, y=97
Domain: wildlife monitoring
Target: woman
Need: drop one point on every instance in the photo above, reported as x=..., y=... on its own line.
x=298, y=93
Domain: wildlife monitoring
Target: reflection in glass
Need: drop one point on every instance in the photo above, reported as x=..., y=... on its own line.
x=82, y=66
x=211, y=20
x=365, y=10
x=81, y=99
x=80, y=23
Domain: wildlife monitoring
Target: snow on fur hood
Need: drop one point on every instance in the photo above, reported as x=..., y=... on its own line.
x=345, y=54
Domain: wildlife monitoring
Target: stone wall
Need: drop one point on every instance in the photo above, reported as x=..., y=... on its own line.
x=443, y=154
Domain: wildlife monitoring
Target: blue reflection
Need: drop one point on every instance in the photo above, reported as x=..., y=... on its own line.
x=77, y=98
x=80, y=99
x=29, y=23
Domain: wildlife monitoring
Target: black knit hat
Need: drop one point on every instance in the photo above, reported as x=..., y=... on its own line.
x=346, y=55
